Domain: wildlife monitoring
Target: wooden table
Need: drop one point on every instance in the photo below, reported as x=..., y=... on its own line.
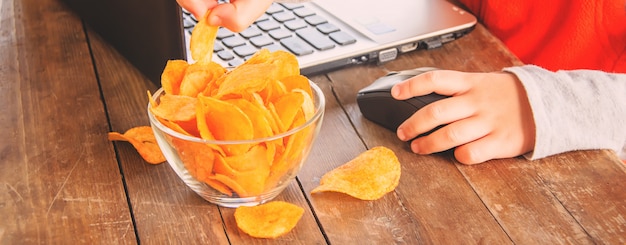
x=62, y=89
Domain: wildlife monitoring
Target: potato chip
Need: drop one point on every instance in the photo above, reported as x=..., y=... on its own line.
x=249, y=170
x=286, y=63
x=202, y=40
x=297, y=82
x=308, y=107
x=172, y=75
x=257, y=115
x=287, y=107
x=175, y=108
x=246, y=79
x=198, y=76
x=226, y=121
x=142, y=138
x=268, y=220
x=198, y=158
x=369, y=176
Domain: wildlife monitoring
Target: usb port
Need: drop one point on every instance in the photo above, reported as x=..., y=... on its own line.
x=447, y=37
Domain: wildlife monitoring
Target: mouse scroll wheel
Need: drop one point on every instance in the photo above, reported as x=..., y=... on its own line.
x=392, y=73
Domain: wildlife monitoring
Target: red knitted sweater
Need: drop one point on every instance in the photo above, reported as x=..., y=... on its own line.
x=559, y=35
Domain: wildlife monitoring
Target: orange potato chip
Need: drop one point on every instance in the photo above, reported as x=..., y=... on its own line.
x=272, y=91
x=369, y=176
x=230, y=183
x=172, y=75
x=308, y=107
x=219, y=186
x=198, y=158
x=258, y=115
x=142, y=138
x=268, y=220
x=175, y=107
x=198, y=76
x=261, y=56
x=246, y=79
x=249, y=170
x=226, y=121
x=287, y=107
x=202, y=40
x=297, y=82
x=286, y=62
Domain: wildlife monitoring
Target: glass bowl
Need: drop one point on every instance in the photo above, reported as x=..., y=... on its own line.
x=223, y=174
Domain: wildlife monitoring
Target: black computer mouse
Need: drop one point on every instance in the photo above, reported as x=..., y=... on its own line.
x=377, y=105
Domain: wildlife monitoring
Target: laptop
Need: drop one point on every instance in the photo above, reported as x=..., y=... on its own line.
x=324, y=35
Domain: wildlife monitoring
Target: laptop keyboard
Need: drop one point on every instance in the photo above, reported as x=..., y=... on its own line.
x=284, y=26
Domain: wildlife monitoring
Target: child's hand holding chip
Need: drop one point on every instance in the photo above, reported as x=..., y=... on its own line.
x=236, y=15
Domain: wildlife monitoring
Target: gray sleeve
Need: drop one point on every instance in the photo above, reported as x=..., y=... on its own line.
x=575, y=110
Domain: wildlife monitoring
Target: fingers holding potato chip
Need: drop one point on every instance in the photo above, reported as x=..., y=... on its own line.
x=202, y=40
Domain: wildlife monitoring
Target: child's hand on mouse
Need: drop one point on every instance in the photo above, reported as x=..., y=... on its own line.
x=236, y=15
x=487, y=117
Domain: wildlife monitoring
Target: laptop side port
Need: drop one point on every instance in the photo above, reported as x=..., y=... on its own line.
x=408, y=47
x=447, y=37
x=387, y=55
x=432, y=43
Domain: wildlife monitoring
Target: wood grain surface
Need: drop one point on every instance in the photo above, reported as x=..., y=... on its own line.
x=62, y=89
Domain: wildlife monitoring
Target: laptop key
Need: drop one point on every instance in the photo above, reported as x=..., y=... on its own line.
x=297, y=46
x=188, y=22
x=235, y=62
x=263, y=17
x=233, y=41
x=303, y=12
x=315, y=20
x=217, y=46
x=279, y=33
x=225, y=55
x=260, y=41
x=295, y=24
x=274, y=47
x=342, y=38
x=250, y=32
x=316, y=39
x=292, y=6
x=327, y=28
x=268, y=25
x=274, y=8
x=284, y=16
x=224, y=33
x=244, y=50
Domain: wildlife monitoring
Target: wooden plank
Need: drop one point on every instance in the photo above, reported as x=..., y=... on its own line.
x=165, y=210
x=60, y=180
x=575, y=197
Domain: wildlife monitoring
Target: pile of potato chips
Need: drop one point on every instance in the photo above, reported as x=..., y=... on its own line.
x=264, y=97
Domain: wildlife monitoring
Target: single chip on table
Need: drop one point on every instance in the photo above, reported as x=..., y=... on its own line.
x=369, y=176
x=142, y=138
x=268, y=220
